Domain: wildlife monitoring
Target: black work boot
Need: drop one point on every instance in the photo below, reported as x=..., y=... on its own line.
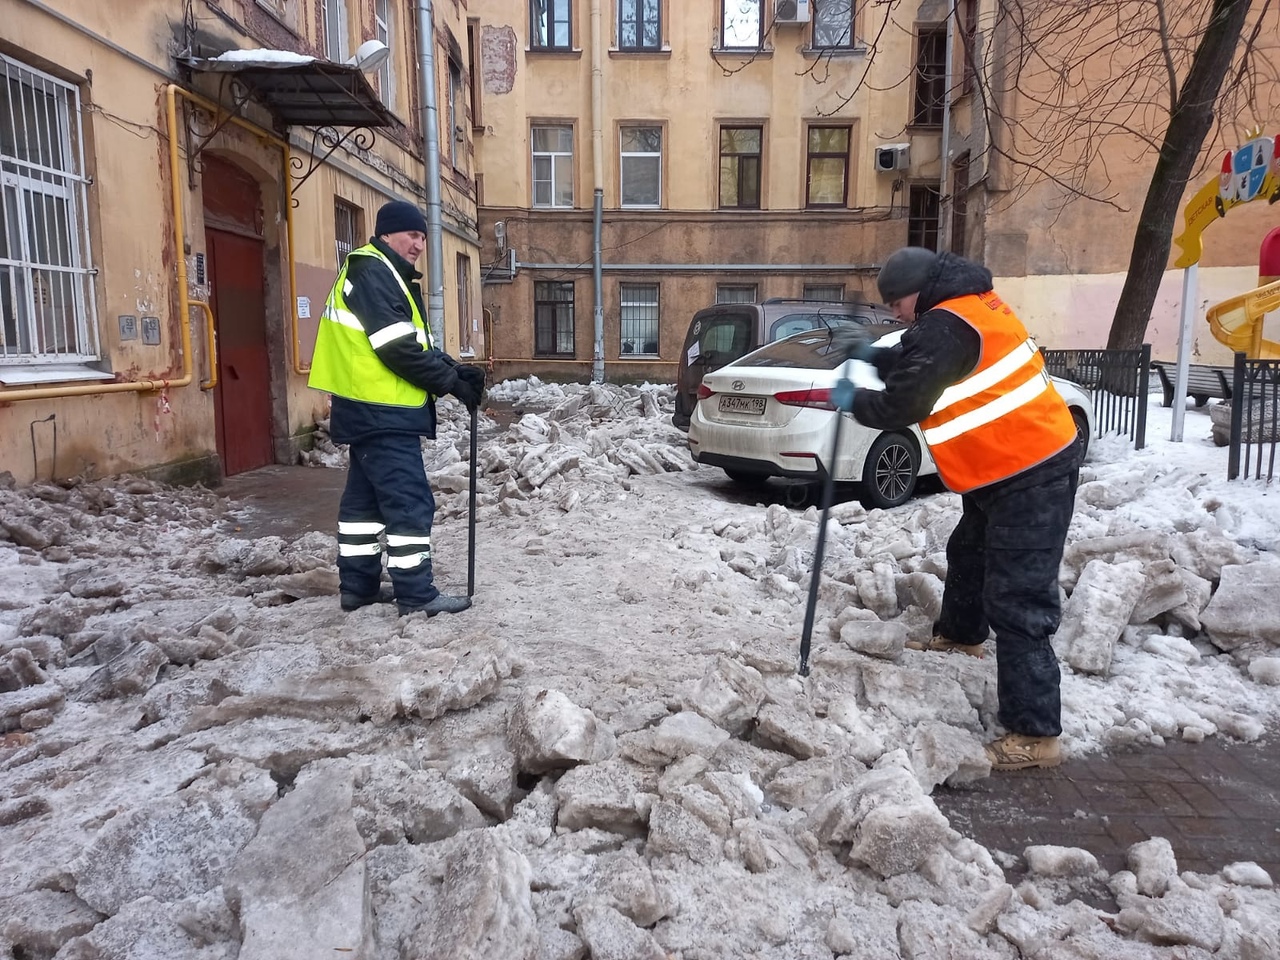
x=443, y=603
x=354, y=601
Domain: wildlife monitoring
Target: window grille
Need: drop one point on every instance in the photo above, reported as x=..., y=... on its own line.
x=639, y=318
x=46, y=278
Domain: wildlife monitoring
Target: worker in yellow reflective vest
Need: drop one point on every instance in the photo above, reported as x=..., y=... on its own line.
x=375, y=355
x=1002, y=437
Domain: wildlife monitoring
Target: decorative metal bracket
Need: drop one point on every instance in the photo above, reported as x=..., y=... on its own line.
x=197, y=141
x=362, y=138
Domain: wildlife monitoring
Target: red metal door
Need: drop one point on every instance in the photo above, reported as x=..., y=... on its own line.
x=235, y=252
x=242, y=398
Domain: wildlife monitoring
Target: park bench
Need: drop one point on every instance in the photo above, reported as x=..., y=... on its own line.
x=1203, y=381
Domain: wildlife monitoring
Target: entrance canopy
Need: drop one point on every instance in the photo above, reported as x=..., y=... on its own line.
x=300, y=90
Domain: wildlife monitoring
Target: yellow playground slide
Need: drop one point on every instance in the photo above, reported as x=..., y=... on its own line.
x=1238, y=322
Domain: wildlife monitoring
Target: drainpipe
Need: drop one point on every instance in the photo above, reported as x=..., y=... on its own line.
x=431, y=135
x=945, y=206
x=597, y=173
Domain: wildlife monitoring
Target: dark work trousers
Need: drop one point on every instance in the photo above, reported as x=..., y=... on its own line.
x=1002, y=574
x=386, y=494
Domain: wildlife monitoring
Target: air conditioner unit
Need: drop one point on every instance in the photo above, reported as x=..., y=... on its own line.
x=893, y=156
x=791, y=11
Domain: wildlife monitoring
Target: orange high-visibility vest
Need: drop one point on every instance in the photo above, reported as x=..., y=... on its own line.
x=1005, y=416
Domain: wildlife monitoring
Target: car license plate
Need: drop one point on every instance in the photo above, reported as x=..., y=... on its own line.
x=749, y=405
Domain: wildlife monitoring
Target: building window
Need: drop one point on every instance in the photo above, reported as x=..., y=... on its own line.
x=931, y=77
x=553, y=166
x=740, y=167
x=457, y=116
x=473, y=75
x=335, y=30
x=959, y=201
x=828, y=292
x=833, y=24
x=382, y=29
x=639, y=319
x=47, y=308
x=741, y=25
x=549, y=25
x=922, y=216
x=828, y=166
x=286, y=11
x=347, y=231
x=639, y=25
x=641, y=166
x=735, y=293
x=553, y=319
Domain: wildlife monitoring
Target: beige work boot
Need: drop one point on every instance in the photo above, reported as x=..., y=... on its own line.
x=1017, y=751
x=938, y=644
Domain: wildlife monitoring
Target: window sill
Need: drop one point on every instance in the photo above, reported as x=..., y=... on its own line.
x=746, y=53
x=660, y=53
x=835, y=53
x=23, y=374
x=566, y=53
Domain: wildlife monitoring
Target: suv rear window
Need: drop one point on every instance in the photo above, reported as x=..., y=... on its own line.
x=793, y=323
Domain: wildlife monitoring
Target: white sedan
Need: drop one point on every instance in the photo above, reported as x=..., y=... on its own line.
x=770, y=414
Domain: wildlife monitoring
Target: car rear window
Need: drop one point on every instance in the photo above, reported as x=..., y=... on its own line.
x=811, y=350
x=794, y=323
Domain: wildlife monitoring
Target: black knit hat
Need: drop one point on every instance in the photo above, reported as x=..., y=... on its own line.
x=399, y=216
x=905, y=272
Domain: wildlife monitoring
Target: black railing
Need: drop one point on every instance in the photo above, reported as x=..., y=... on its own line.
x=1255, y=418
x=1117, y=382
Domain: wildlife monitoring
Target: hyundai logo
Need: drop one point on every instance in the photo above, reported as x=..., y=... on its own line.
x=739, y=385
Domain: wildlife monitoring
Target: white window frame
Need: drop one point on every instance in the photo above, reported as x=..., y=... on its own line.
x=728, y=17
x=559, y=161
x=634, y=329
x=638, y=155
x=336, y=41
x=45, y=340
x=383, y=28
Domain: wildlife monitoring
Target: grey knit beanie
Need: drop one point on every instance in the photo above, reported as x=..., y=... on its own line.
x=905, y=272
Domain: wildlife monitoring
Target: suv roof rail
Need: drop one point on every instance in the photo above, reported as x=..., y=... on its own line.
x=856, y=302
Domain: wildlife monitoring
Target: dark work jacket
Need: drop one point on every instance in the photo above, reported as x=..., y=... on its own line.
x=378, y=301
x=937, y=350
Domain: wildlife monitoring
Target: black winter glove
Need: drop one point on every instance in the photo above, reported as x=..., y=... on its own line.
x=468, y=392
x=853, y=344
x=473, y=375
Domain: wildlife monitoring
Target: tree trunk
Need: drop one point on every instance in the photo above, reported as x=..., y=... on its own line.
x=1189, y=124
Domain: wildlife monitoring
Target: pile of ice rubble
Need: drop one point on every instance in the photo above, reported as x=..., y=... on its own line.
x=200, y=757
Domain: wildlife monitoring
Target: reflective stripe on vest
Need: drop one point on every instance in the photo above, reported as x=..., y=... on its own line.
x=1006, y=416
x=345, y=362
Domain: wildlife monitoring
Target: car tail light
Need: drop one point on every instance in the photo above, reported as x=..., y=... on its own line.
x=819, y=397
x=704, y=391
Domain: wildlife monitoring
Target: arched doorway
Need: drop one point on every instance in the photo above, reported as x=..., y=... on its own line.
x=235, y=250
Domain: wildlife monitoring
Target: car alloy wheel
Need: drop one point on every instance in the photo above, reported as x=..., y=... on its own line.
x=890, y=470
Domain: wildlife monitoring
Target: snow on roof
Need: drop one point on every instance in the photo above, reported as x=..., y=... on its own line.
x=264, y=57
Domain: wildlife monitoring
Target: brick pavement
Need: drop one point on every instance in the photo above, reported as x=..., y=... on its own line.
x=1216, y=802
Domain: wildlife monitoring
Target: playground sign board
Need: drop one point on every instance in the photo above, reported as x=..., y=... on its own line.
x=1250, y=172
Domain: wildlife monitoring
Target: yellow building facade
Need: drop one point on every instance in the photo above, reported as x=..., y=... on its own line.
x=782, y=148
x=181, y=181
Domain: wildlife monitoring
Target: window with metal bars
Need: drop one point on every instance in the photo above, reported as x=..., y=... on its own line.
x=47, y=307
x=346, y=228
x=553, y=319
x=639, y=319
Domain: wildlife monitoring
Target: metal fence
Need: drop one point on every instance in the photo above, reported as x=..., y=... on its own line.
x=1117, y=382
x=1255, y=419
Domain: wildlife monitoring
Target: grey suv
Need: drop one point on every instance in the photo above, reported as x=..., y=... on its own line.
x=724, y=333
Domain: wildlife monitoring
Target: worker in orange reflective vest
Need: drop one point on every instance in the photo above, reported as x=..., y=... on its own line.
x=967, y=372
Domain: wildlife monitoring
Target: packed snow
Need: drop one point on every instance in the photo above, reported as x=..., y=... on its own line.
x=610, y=755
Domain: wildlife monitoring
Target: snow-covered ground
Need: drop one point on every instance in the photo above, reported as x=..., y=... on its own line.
x=610, y=755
